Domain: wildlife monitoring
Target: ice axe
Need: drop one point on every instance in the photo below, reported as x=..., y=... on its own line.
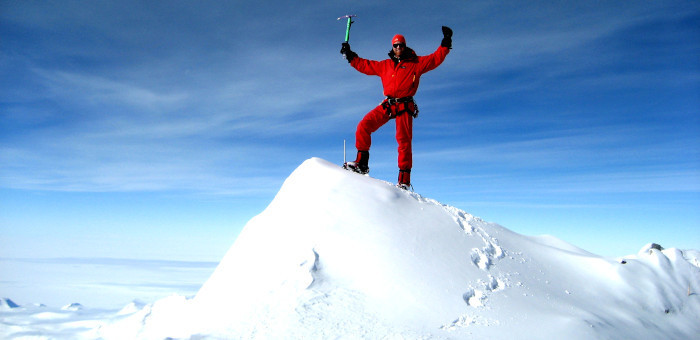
x=347, y=30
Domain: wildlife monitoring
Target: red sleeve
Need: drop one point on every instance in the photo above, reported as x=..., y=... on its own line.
x=368, y=67
x=430, y=62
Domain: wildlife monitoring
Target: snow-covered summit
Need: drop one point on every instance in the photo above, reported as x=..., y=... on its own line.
x=340, y=254
x=6, y=303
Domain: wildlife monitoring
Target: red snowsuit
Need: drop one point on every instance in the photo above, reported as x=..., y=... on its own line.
x=400, y=78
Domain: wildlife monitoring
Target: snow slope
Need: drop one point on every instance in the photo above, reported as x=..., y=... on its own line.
x=340, y=255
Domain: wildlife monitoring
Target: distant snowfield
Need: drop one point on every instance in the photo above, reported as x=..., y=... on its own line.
x=103, y=283
x=338, y=254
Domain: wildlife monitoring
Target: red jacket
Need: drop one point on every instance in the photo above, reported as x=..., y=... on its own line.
x=400, y=78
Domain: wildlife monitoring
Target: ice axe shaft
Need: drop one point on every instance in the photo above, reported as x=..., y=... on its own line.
x=347, y=30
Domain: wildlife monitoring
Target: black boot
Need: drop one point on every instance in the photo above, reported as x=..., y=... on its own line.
x=404, y=179
x=361, y=163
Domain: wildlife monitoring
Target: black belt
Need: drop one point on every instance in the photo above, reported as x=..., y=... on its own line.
x=393, y=101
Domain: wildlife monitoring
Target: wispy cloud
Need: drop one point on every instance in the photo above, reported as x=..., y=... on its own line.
x=106, y=92
x=609, y=160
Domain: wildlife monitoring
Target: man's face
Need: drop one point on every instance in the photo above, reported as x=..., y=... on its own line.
x=398, y=48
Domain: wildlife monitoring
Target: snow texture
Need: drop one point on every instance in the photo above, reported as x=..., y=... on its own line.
x=340, y=255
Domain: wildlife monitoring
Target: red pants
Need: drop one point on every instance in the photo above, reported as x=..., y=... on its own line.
x=373, y=120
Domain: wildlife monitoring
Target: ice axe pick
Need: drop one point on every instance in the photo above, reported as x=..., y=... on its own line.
x=347, y=30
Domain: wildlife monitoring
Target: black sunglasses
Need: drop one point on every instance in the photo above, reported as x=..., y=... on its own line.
x=399, y=45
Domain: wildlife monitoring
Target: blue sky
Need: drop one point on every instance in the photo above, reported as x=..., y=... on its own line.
x=156, y=129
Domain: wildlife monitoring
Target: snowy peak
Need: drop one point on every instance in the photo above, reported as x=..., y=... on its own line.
x=337, y=253
x=6, y=304
x=72, y=307
x=329, y=229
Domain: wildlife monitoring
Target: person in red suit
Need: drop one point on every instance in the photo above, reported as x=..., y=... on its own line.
x=400, y=75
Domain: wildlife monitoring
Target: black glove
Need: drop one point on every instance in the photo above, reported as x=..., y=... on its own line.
x=447, y=39
x=345, y=48
x=347, y=53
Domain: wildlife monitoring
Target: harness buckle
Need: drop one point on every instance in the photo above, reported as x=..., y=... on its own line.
x=395, y=107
